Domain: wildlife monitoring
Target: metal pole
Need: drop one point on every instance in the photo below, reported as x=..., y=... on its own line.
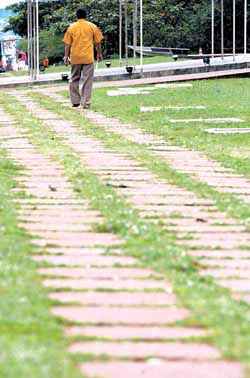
x=120, y=32
x=29, y=35
x=212, y=33
x=34, y=39
x=135, y=16
x=245, y=27
x=141, y=36
x=31, y=42
x=37, y=39
x=126, y=30
x=234, y=29
x=222, y=29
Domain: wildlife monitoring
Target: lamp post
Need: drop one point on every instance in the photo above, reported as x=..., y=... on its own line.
x=222, y=29
x=126, y=29
x=212, y=30
x=33, y=38
x=37, y=38
x=141, y=36
x=120, y=31
x=135, y=16
x=245, y=26
x=234, y=29
x=29, y=34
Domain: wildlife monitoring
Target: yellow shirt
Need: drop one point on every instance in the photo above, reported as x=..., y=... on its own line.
x=81, y=36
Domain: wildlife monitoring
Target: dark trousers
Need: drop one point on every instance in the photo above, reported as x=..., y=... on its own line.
x=86, y=72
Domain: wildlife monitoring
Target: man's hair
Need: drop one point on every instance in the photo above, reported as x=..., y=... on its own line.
x=81, y=13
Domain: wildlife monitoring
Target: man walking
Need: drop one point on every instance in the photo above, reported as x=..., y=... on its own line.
x=80, y=40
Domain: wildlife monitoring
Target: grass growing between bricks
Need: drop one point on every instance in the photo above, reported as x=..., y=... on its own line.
x=211, y=306
x=222, y=98
x=32, y=344
x=228, y=203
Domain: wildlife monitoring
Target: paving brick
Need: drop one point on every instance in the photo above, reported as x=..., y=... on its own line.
x=45, y=201
x=170, y=351
x=108, y=284
x=108, y=273
x=164, y=200
x=90, y=240
x=116, y=298
x=73, y=260
x=82, y=238
x=54, y=208
x=226, y=273
x=77, y=252
x=52, y=213
x=121, y=315
x=46, y=115
x=228, y=264
x=143, y=333
x=239, y=285
x=161, y=369
x=226, y=244
x=246, y=298
x=239, y=237
x=39, y=228
x=52, y=218
x=219, y=254
x=207, y=220
x=204, y=228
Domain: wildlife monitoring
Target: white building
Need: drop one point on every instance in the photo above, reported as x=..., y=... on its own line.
x=8, y=51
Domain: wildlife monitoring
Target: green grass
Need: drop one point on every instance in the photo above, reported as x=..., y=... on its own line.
x=223, y=98
x=210, y=305
x=32, y=343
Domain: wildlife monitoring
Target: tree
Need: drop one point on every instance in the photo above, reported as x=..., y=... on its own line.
x=18, y=22
x=171, y=23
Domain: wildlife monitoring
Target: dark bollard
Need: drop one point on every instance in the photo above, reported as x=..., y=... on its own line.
x=41, y=68
x=129, y=69
x=65, y=77
x=206, y=60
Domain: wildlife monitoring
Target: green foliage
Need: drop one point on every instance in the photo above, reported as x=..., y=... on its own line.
x=23, y=44
x=51, y=46
x=175, y=23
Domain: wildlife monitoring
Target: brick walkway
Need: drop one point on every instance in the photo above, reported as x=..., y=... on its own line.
x=187, y=161
x=153, y=197
x=132, y=327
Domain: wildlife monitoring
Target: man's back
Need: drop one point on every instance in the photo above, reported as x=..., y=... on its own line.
x=81, y=36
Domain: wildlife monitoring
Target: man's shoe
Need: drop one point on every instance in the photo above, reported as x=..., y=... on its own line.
x=75, y=105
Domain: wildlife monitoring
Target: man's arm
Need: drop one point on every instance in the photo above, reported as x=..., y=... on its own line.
x=98, y=47
x=67, y=54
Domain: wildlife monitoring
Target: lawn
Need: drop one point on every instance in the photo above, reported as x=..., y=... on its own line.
x=222, y=99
